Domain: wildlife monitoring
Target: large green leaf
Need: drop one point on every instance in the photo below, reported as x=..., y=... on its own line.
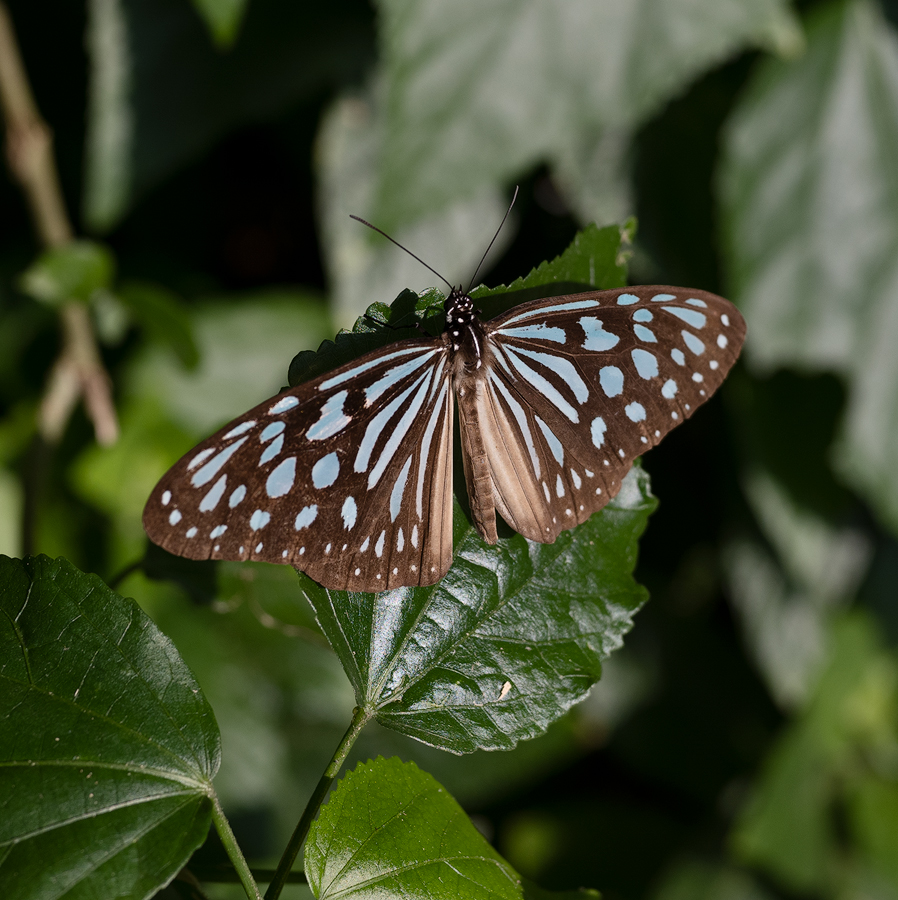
x=161, y=93
x=107, y=745
x=810, y=198
x=845, y=743
x=510, y=639
x=479, y=90
x=391, y=830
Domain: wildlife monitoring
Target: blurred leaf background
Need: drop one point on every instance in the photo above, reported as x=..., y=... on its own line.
x=744, y=742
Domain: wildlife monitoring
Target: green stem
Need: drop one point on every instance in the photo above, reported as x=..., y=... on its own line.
x=232, y=848
x=359, y=718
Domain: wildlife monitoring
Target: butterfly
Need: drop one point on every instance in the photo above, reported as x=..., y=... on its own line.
x=348, y=477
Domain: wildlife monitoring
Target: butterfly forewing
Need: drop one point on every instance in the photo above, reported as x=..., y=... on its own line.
x=577, y=387
x=347, y=477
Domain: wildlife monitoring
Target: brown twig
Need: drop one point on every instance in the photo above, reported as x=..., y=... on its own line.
x=78, y=371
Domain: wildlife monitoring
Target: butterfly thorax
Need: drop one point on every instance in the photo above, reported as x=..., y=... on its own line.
x=465, y=337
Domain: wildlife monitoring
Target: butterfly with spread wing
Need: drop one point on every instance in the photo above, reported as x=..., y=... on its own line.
x=348, y=477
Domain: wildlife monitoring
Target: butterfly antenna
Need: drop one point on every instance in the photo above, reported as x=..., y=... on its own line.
x=493, y=241
x=375, y=228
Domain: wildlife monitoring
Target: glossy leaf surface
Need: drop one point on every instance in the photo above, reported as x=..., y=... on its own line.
x=391, y=830
x=810, y=194
x=509, y=640
x=107, y=746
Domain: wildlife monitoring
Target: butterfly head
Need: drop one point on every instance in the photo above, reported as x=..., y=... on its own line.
x=459, y=308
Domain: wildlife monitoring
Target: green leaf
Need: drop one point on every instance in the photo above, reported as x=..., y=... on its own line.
x=510, y=639
x=107, y=746
x=390, y=830
x=811, y=216
x=848, y=732
x=243, y=342
x=161, y=314
x=160, y=93
x=71, y=272
x=223, y=18
x=694, y=880
x=478, y=91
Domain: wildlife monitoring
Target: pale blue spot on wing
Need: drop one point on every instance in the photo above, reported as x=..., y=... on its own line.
x=281, y=479
x=399, y=490
x=598, y=430
x=203, y=454
x=429, y=432
x=210, y=501
x=643, y=315
x=400, y=540
x=677, y=356
x=635, y=412
x=306, y=516
x=596, y=337
x=392, y=377
x=669, y=390
x=349, y=512
x=612, y=380
x=379, y=546
x=645, y=334
x=576, y=479
x=400, y=431
x=272, y=430
x=240, y=429
x=364, y=546
x=540, y=331
x=558, y=307
x=191, y=532
x=166, y=498
x=237, y=496
x=721, y=341
x=325, y=471
x=541, y=384
x=283, y=405
x=551, y=440
x=380, y=360
x=693, y=343
x=663, y=298
x=272, y=450
x=210, y=470
x=175, y=517
x=562, y=367
x=378, y=423
x=689, y=316
x=521, y=418
x=259, y=519
x=627, y=299
x=646, y=363
x=559, y=486
x=332, y=419
x=218, y=531
x=694, y=301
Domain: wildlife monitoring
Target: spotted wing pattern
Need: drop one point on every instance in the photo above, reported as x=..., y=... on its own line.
x=577, y=387
x=347, y=477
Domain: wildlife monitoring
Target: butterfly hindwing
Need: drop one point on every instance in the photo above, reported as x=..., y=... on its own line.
x=579, y=386
x=347, y=477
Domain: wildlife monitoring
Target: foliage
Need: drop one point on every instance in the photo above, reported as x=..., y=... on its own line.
x=735, y=739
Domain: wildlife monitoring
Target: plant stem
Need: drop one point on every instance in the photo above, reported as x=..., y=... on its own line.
x=359, y=719
x=79, y=371
x=232, y=848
